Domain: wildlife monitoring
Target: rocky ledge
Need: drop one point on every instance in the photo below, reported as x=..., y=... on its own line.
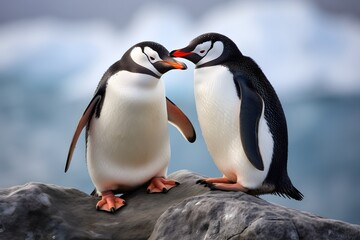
x=189, y=211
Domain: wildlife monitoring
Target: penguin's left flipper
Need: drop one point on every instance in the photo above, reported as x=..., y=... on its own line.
x=250, y=113
x=161, y=185
x=180, y=121
x=82, y=123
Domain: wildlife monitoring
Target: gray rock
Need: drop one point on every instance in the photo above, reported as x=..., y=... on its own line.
x=189, y=211
x=229, y=215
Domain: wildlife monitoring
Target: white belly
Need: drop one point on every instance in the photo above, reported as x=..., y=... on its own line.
x=218, y=109
x=129, y=143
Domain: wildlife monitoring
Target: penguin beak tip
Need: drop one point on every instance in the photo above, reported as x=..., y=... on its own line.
x=184, y=67
x=176, y=65
x=181, y=66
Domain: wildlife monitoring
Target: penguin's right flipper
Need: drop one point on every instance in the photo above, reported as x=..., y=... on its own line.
x=89, y=111
x=250, y=113
x=180, y=121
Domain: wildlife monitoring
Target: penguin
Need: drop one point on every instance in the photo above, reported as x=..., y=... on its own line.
x=127, y=139
x=241, y=119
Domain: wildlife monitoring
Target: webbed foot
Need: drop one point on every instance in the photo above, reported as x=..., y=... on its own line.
x=161, y=185
x=109, y=202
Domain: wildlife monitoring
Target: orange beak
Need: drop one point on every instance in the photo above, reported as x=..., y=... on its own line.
x=176, y=65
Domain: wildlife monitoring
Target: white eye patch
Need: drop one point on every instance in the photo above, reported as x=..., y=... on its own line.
x=213, y=53
x=202, y=48
x=142, y=59
x=152, y=55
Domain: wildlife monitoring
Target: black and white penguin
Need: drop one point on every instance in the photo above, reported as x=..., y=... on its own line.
x=127, y=139
x=241, y=118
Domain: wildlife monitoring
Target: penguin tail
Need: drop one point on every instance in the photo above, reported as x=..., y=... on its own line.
x=290, y=192
x=94, y=193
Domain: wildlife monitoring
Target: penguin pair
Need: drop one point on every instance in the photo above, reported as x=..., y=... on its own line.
x=240, y=116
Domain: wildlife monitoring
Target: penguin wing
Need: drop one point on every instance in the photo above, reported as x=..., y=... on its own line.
x=250, y=112
x=177, y=118
x=89, y=111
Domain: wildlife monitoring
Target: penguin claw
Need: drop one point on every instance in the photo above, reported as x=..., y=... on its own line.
x=161, y=185
x=201, y=181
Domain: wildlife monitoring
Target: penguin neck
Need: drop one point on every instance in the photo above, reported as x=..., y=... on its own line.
x=136, y=82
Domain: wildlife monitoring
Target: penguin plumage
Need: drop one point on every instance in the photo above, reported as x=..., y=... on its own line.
x=127, y=140
x=241, y=118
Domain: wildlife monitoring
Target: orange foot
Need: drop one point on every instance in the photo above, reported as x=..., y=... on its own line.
x=222, y=184
x=161, y=185
x=109, y=203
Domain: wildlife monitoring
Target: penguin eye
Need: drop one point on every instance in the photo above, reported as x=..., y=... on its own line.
x=202, y=48
x=151, y=55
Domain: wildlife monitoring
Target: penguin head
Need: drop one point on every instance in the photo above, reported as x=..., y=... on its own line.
x=208, y=49
x=152, y=58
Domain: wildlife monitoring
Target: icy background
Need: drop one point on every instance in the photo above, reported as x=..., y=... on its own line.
x=50, y=66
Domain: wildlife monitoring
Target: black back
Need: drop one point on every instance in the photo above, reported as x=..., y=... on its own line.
x=274, y=115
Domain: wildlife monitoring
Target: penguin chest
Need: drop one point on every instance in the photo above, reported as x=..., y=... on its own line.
x=129, y=143
x=218, y=108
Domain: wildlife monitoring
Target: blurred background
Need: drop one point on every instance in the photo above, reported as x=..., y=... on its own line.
x=53, y=53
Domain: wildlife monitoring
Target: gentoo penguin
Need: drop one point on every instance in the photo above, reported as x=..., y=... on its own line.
x=127, y=139
x=240, y=117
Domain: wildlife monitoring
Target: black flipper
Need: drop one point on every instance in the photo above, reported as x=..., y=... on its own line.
x=250, y=112
x=89, y=111
x=180, y=121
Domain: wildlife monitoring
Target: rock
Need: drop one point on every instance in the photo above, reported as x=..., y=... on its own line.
x=229, y=215
x=189, y=211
